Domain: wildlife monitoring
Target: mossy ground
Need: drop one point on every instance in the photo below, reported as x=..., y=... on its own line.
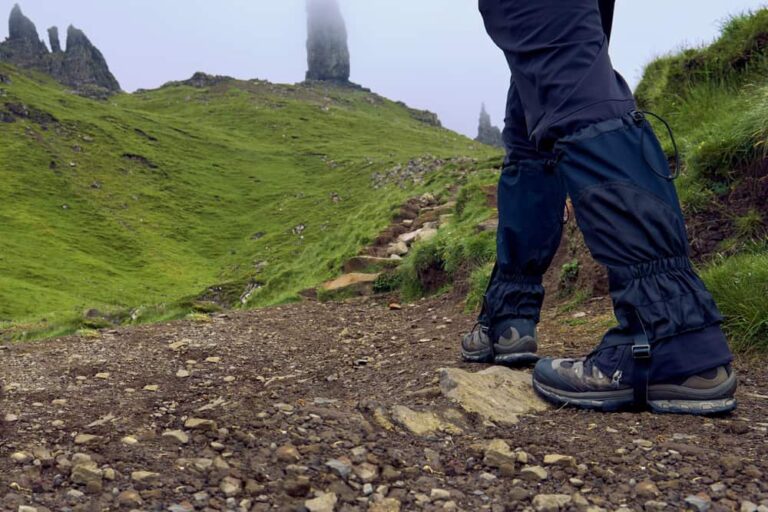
x=138, y=205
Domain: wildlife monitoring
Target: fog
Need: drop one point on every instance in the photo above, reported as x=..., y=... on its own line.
x=432, y=54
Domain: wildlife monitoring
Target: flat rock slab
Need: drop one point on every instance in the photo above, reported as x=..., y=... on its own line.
x=497, y=394
x=357, y=281
x=427, y=422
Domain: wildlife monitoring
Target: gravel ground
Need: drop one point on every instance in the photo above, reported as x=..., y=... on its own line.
x=290, y=408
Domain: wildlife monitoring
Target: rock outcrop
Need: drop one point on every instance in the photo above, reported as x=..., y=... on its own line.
x=53, y=38
x=327, y=50
x=81, y=66
x=23, y=46
x=486, y=132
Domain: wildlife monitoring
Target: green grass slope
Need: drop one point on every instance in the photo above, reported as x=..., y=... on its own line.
x=138, y=205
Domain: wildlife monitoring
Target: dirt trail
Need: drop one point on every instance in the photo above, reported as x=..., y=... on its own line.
x=111, y=423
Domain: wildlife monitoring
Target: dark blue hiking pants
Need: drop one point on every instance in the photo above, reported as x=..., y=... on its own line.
x=571, y=128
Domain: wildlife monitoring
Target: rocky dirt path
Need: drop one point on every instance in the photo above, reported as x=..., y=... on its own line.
x=338, y=406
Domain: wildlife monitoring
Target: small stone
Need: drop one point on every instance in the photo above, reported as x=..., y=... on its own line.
x=86, y=439
x=367, y=489
x=655, y=505
x=700, y=502
x=151, y=387
x=487, y=477
x=287, y=453
x=202, y=464
x=366, y=472
x=102, y=376
x=324, y=503
x=87, y=474
x=439, y=494
x=576, y=482
x=110, y=474
x=385, y=505
x=579, y=501
x=559, y=460
x=718, y=489
x=129, y=440
x=229, y=379
x=748, y=506
x=213, y=360
x=27, y=508
x=647, y=489
x=178, y=436
x=231, y=486
x=395, y=307
x=550, y=502
x=731, y=462
x=297, y=487
x=287, y=408
x=498, y=453
x=200, y=424
x=43, y=455
x=21, y=457
x=147, y=477
x=11, y=418
x=342, y=467
x=129, y=498
x=182, y=374
x=534, y=474
x=643, y=443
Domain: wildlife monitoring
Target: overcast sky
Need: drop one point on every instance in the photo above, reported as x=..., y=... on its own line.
x=432, y=54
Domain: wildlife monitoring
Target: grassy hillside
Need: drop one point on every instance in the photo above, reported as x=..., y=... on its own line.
x=716, y=99
x=141, y=204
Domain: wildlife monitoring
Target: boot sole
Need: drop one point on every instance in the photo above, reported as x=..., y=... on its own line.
x=485, y=356
x=719, y=400
x=521, y=359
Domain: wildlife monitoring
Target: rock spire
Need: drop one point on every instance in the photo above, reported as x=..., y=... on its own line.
x=327, y=50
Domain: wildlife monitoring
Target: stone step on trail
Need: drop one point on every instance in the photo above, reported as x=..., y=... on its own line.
x=353, y=283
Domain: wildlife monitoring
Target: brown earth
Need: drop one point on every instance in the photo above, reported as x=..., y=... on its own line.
x=709, y=227
x=292, y=387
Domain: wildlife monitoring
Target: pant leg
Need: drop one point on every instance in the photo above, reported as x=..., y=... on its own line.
x=612, y=165
x=531, y=201
x=558, y=53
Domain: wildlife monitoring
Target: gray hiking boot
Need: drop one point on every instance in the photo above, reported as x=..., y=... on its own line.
x=516, y=344
x=579, y=383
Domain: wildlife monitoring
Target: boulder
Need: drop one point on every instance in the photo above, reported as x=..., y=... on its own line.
x=497, y=394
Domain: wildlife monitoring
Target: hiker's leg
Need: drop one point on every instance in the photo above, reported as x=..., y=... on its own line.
x=616, y=174
x=531, y=201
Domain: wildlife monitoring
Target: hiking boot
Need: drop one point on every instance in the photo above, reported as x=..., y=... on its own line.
x=516, y=345
x=579, y=383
